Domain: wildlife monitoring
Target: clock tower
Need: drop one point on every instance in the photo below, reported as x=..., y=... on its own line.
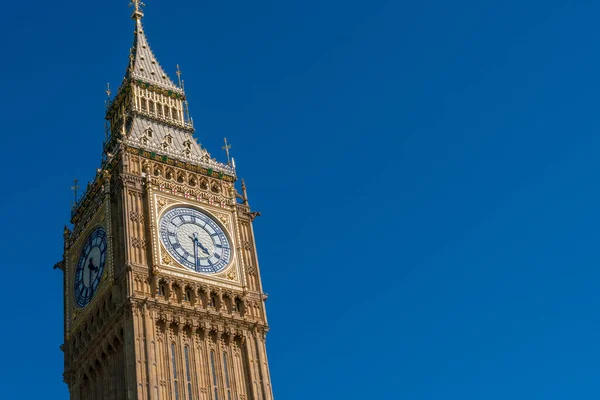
x=162, y=291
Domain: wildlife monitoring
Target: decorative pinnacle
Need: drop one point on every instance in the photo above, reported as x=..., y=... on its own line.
x=178, y=75
x=226, y=148
x=244, y=192
x=138, y=14
x=108, y=93
x=74, y=188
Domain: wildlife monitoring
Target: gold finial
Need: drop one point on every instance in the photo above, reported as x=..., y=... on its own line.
x=74, y=188
x=178, y=75
x=137, y=12
x=226, y=148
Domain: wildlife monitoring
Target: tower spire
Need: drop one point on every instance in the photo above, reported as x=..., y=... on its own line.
x=143, y=65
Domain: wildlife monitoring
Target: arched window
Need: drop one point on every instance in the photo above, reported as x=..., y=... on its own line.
x=173, y=361
x=144, y=105
x=188, y=376
x=226, y=376
x=214, y=375
x=151, y=106
x=187, y=295
x=237, y=305
x=162, y=289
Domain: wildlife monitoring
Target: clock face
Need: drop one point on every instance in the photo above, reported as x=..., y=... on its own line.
x=90, y=267
x=195, y=240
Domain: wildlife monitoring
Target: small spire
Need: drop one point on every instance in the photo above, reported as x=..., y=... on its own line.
x=244, y=192
x=108, y=93
x=226, y=148
x=74, y=188
x=138, y=14
x=179, y=75
x=185, y=102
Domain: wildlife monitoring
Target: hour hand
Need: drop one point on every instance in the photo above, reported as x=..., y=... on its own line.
x=204, y=249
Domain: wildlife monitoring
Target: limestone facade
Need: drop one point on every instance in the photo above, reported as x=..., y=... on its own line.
x=153, y=328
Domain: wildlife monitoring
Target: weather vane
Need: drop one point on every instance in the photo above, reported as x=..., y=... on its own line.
x=226, y=148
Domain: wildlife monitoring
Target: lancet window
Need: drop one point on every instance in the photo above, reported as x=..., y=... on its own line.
x=227, y=387
x=174, y=362
x=214, y=375
x=188, y=375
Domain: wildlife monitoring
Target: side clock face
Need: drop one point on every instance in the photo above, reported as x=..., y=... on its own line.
x=90, y=267
x=195, y=240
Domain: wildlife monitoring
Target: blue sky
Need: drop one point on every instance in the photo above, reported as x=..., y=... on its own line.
x=426, y=171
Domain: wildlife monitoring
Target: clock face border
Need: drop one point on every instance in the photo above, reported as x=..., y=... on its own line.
x=102, y=265
x=214, y=219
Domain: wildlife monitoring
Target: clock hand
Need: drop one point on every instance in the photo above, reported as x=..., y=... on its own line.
x=199, y=243
x=89, y=276
x=195, y=240
x=204, y=249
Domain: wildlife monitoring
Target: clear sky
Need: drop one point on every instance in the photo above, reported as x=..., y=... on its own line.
x=426, y=171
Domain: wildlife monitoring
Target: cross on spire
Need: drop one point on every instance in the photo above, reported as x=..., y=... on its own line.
x=226, y=148
x=137, y=12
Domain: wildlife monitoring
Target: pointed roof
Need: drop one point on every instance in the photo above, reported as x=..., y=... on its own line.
x=143, y=65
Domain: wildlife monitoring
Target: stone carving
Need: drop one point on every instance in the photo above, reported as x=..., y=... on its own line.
x=136, y=217
x=167, y=260
x=138, y=243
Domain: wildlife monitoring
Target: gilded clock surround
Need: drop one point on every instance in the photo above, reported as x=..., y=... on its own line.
x=151, y=317
x=165, y=262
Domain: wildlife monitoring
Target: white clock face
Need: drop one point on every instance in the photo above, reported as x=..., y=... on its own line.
x=195, y=240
